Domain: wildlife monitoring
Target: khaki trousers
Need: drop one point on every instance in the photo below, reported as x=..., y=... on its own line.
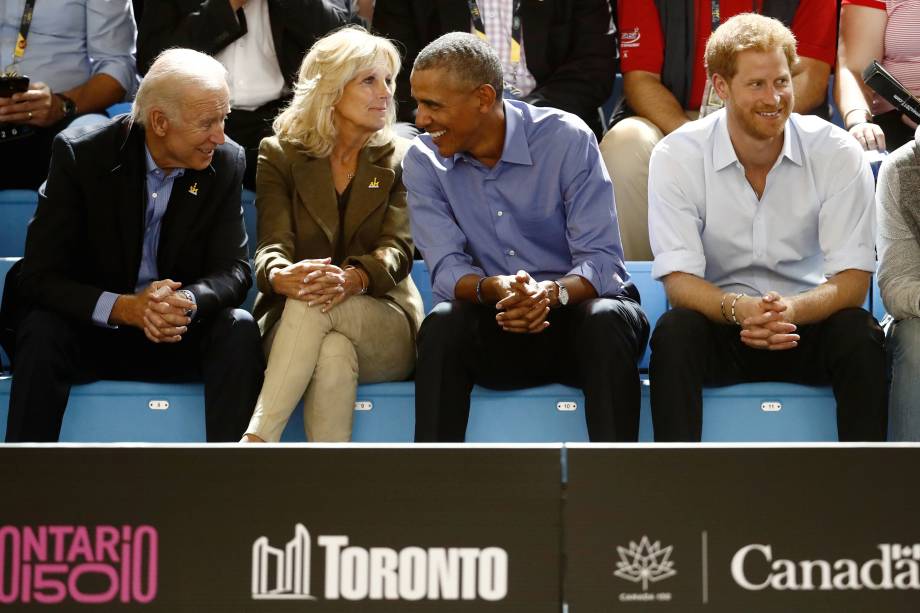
x=627, y=149
x=322, y=357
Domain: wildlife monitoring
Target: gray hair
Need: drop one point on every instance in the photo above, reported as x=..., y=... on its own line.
x=171, y=75
x=469, y=58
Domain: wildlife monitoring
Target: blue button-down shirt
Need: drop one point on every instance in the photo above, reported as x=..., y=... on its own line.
x=159, y=188
x=816, y=216
x=546, y=207
x=71, y=41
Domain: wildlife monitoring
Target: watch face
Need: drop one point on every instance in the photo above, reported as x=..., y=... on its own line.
x=563, y=295
x=68, y=106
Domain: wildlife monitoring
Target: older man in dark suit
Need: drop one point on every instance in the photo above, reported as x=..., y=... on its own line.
x=557, y=53
x=260, y=42
x=137, y=255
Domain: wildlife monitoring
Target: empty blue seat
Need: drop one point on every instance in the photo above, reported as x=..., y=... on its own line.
x=16, y=209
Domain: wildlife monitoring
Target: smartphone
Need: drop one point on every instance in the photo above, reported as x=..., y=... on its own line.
x=11, y=85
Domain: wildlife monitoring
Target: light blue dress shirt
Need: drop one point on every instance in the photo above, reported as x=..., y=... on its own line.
x=159, y=189
x=73, y=40
x=816, y=216
x=546, y=207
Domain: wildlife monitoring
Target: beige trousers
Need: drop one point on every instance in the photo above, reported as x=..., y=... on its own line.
x=322, y=357
x=627, y=149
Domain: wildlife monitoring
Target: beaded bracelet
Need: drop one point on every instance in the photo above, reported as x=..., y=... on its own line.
x=734, y=301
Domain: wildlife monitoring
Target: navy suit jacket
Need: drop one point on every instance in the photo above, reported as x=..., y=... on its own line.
x=87, y=233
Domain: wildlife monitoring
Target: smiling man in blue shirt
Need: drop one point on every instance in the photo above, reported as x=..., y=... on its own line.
x=512, y=208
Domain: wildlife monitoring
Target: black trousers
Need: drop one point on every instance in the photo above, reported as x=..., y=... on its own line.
x=52, y=353
x=594, y=345
x=846, y=351
x=26, y=159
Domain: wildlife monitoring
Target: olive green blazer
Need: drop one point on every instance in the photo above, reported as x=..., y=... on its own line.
x=298, y=218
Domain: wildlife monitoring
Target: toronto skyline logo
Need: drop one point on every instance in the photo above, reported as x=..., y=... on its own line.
x=645, y=562
x=282, y=574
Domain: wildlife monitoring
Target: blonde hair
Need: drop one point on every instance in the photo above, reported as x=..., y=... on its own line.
x=747, y=31
x=332, y=62
x=168, y=81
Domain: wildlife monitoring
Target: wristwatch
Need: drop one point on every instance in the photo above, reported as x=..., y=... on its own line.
x=562, y=294
x=68, y=106
x=188, y=295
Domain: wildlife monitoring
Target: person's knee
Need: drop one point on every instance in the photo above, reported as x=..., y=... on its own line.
x=45, y=332
x=234, y=330
x=854, y=331
x=448, y=324
x=677, y=330
x=630, y=137
x=615, y=324
x=337, y=359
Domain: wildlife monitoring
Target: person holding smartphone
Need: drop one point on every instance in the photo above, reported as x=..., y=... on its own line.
x=79, y=56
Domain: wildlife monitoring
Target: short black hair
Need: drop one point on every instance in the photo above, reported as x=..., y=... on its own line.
x=467, y=57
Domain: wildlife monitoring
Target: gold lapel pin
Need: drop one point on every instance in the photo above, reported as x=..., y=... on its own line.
x=193, y=190
x=375, y=184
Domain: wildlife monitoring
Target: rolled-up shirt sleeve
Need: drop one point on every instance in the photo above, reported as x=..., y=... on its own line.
x=111, y=35
x=674, y=220
x=434, y=228
x=846, y=222
x=591, y=220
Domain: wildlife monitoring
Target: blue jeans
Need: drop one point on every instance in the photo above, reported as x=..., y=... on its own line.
x=904, y=406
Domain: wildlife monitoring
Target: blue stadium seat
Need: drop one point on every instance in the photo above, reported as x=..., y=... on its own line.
x=654, y=301
x=769, y=412
x=127, y=411
x=118, y=109
x=16, y=209
x=878, y=305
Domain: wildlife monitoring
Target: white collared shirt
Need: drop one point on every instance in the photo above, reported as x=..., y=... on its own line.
x=255, y=77
x=816, y=216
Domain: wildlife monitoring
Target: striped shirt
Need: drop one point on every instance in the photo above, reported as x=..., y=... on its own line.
x=902, y=45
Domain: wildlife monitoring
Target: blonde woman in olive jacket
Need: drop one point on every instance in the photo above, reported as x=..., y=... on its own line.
x=336, y=304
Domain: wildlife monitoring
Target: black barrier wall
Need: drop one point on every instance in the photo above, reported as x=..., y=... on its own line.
x=738, y=529
x=233, y=529
x=226, y=529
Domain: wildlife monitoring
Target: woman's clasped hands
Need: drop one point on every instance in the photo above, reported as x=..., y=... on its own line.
x=317, y=282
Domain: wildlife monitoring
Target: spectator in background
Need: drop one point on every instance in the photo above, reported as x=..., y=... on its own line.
x=79, y=56
x=514, y=214
x=898, y=195
x=763, y=229
x=136, y=258
x=260, y=42
x=887, y=31
x=336, y=303
x=664, y=81
x=557, y=53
